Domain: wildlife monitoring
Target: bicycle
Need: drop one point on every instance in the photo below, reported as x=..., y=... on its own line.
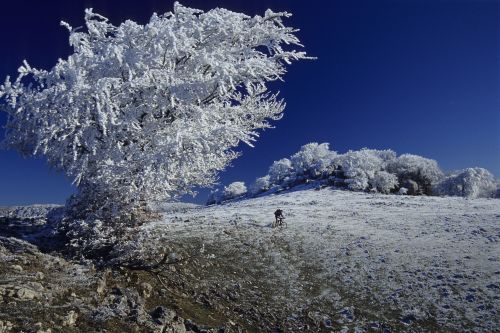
x=279, y=222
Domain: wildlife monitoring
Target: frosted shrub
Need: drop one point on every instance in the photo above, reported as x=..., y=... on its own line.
x=371, y=169
x=280, y=172
x=384, y=182
x=142, y=113
x=232, y=191
x=359, y=168
x=260, y=185
x=386, y=155
x=424, y=171
x=313, y=160
x=470, y=183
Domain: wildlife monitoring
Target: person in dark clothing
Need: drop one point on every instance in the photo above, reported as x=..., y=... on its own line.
x=278, y=215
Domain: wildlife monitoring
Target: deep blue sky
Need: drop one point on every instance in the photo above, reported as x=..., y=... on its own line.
x=416, y=76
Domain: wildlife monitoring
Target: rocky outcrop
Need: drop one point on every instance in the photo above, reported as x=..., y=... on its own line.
x=44, y=291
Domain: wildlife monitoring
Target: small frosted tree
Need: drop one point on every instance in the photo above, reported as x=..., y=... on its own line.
x=142, y=113
x=359, y=167
x=384, y=182
x=232, y=191
x=470, y=183
x=260, y=185
x=280, y=172
x=386, y=155
x=313, y=160
x=235, y=190
x=424, y=171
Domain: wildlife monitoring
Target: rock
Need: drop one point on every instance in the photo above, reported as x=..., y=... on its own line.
x=39, y=328
x=39, y=276
x=20, y=293
x=17, y=268
x=146, y=289
x=5, y=326
x=36, y=286
x=101, y=286
x=159, y=315
x=170, y=321
x=176, y=326
x=25, y=294
x=70, y=319
x=48, y=330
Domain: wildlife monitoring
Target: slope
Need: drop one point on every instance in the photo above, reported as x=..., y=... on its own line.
x=347, y=260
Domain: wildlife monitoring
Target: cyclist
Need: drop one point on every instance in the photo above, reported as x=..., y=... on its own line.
x=278, y=215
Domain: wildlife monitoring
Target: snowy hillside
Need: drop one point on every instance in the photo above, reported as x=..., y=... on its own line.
x=347, y=261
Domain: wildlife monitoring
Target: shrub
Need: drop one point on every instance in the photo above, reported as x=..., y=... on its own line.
x=232, y=191
x=280, y=172
x=371, y=169
x=384, y=182
x=425, y=172
x=359, y=168
x=260, y=185
x=313, y=161
x=470, y=183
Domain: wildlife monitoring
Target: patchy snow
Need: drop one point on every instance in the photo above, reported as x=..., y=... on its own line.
x=28, y=212
x=360, y=261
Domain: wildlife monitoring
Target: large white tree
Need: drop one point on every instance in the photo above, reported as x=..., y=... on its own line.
x=142, y=113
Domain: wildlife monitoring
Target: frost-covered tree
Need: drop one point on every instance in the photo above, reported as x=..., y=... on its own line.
x=232, y=191
x=235, y=189
x=470, y=183
x=384, y=182
x=424, y=171
x=386, y=155
x=142, y=113
x=313, y=160
x=371, y=169
x=359, y=167
x=260, y=185
x=280, y=171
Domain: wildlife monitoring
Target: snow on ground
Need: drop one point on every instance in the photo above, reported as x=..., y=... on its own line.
x=355, y=261
x=28, y=212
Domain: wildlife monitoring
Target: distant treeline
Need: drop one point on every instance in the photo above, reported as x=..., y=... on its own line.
x=363, y=170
